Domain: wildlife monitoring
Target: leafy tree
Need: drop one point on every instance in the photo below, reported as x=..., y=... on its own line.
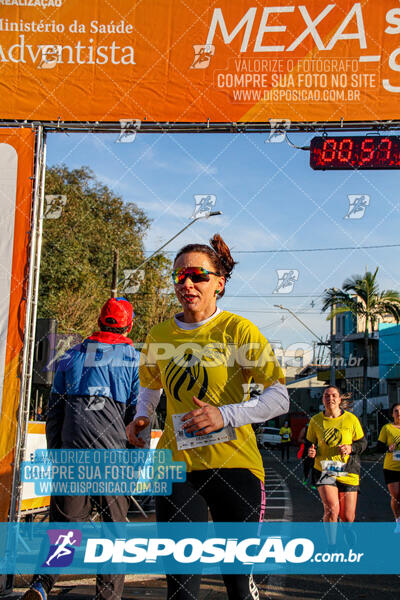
x=77, y=255
x=361, y=296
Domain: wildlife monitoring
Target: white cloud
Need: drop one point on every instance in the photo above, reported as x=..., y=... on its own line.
x=158, y=209
x=181, y=165
x=203, y=168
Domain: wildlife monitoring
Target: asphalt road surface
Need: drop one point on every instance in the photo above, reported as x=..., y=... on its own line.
x=303, y=504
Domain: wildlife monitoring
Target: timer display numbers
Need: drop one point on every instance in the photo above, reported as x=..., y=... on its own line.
x=355, y=152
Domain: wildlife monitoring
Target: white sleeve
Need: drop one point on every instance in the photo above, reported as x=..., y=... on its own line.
x=147, y=402
x=274, y=401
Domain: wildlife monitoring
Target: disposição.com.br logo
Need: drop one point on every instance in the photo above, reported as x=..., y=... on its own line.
x=62, y=547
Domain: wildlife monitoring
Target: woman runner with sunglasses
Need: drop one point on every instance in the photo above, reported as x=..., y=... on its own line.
x=216, y=354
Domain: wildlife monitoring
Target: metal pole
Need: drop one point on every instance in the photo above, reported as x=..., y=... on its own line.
x=114, y=282
x=332, y=348
x=30, y=319
x=36, y=275
x=300, y=321
x=332, y=376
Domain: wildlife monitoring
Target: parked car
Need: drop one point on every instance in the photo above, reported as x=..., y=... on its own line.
x=268, y=436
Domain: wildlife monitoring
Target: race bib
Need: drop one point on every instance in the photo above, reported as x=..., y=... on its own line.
x=186, y=441
x=285, y=436
x=333, y=467
x=396, y=455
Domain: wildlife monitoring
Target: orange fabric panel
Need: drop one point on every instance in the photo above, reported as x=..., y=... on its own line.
x=22, y=140
x=111, y=60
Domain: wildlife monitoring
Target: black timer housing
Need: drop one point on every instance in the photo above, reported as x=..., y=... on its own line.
x=355, y=152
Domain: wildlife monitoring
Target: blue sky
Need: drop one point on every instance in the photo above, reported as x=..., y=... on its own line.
x=271, y=200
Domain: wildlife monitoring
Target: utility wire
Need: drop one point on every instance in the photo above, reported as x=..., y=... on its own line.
x=279, y=250
x=276, y=296
x=275, y=312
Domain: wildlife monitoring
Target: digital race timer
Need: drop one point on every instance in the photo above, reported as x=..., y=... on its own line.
x=355, y=152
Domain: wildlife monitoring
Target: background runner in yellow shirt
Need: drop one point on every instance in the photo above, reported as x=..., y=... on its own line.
x=205, y=359
x=336, y=440
x=286, y=436
x=389, y=442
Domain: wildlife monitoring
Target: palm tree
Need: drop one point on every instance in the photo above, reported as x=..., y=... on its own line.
x=361, y=296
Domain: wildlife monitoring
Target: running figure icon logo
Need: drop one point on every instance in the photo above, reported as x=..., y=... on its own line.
x=279, y=128
x=202, y=56
x=357, y=205
x=204, y=205
x=60, y=554
x=286, y=280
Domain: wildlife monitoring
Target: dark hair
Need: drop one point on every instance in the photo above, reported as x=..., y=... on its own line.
x=346, y=402
x=219, y=255
x=394, y=406
x=113, y=329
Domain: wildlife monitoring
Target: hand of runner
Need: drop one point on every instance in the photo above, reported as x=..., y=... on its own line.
x=206, y=418
x=312, y=451
x=392, y=447
x=133, y=430
x=345, y=449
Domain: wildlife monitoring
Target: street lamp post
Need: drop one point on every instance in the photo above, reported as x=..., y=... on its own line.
x=332, y=379
x=115, y=283
x=212, y=214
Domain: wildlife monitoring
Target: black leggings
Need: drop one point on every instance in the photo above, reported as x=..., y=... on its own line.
x=285, y=450
x=307, y=465
x=231, y=495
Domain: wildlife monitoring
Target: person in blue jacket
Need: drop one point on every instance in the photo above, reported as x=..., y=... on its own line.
x=92, y=399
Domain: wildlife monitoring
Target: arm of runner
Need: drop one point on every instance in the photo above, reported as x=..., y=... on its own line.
x=302, y=436
x=381, y=447
x=131, y=403
x=307, y=445
x=311, y=440
x=346, y=449
x=204, y=419
x=146, y=405
x=312, y=451
x=258, y=361
x=274, y=401
x=382, y=443
x=149, y=393
x=360, y=441
x=358, y=446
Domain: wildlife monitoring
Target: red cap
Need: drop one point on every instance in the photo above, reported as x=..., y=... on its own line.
x=116, y=312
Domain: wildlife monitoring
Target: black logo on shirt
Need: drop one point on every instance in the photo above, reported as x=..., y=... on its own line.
x=332, y=436
x=186, y=372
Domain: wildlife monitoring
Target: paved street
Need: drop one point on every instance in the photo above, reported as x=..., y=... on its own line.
x=373, y=503
x=304, y=505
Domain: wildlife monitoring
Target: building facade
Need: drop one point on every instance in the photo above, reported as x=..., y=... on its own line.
x=348, y=352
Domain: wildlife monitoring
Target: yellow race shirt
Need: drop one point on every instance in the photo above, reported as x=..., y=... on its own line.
x=286, y=434
x=328, y=434
x=216, y=363
x=389, y=435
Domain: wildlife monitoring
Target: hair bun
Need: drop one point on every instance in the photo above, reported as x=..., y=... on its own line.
x=224, y=255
